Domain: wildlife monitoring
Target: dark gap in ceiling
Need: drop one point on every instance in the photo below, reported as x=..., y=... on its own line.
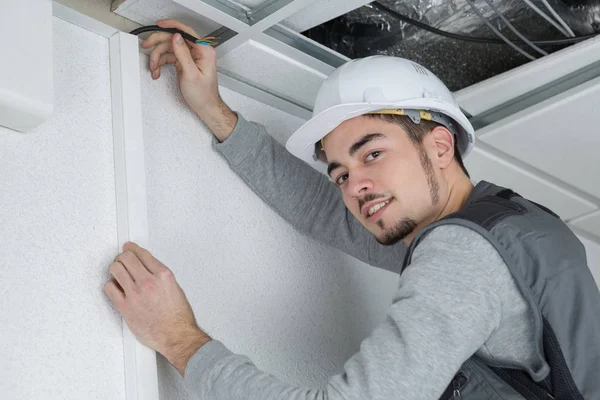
x=369, y=31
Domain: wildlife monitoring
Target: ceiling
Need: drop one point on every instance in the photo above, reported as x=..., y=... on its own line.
x=534, y=122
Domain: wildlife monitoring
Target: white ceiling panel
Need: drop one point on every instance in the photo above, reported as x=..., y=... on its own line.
x=262, y=67
x=559, y=136
x=504, y=87
x=484, y=165
x=147, y=12
x=590, y=223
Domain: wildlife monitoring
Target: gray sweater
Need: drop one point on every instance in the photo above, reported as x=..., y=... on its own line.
x=457, y=297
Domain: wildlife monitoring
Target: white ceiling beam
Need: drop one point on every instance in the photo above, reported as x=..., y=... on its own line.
x=261, y=25
x=519, y=81
x=221, y=15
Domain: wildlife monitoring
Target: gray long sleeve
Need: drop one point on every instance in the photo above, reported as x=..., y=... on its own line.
x=449, y=305
x=307, y=199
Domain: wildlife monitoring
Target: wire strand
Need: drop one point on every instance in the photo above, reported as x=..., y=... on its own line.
x=498, y=33
x=465, y=38
x=513, y=29
x=558, y=18
x=546, y=17
x=155, y=28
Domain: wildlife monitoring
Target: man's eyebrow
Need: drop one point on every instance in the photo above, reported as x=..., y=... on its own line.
x=332, y=165
x=364, y=140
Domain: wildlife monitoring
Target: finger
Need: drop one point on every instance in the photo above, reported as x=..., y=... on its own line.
x=173, y=23
x=156, y=38
x=122, y=277
x=157, y=52
x=182, y=52
x=149, y=261
x=115, y=294
x=167, y=58
x=133, y=265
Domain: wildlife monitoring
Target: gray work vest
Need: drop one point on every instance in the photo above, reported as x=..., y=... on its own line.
x=549, y=266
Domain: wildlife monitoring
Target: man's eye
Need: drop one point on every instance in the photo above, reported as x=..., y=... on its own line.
x=341, y=179
x=373, y=155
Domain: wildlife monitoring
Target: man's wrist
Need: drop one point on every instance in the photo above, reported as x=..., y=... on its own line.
x=220, y=119
x=184, y=347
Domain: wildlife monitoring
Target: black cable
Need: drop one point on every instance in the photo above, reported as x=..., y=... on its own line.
x=451, y=35
x=154, y=28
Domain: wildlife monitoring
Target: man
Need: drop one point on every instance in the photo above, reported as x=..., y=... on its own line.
x=495, y=299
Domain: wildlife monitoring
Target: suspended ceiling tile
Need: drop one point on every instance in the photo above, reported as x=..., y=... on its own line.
x=516, y=82
x=485, y=165
x=558, y=136
x=326, y=10
x=590, y=223
x=147, y=12
x=269, y=70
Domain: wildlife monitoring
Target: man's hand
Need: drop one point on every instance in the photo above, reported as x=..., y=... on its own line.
x=196, y=67
x=154, y=306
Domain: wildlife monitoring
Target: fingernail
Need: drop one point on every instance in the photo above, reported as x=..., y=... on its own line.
x=178, y=38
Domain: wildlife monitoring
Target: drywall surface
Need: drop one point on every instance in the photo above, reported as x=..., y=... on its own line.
x=59, y=337
x=298, y=309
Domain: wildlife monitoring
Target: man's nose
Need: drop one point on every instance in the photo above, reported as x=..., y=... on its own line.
x=360, y=185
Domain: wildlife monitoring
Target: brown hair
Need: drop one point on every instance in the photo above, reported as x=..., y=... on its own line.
x=416, y=133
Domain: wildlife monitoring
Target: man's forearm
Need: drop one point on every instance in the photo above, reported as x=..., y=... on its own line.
x=220, y=120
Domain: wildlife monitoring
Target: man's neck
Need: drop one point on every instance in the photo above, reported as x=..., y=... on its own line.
x=458, y=193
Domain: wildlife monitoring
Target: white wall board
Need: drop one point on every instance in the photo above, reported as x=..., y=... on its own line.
x=60, y=338
x=26, y=86
x=296, y=307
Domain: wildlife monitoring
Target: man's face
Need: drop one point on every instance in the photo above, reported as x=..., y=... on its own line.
x=388, y=183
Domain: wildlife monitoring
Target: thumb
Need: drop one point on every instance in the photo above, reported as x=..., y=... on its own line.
x=205, y=58
x=182, y=52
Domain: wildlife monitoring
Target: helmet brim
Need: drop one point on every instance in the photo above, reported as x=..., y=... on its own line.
x=301, y=143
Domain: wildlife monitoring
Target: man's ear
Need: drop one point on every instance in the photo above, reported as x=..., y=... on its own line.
x=444, y=145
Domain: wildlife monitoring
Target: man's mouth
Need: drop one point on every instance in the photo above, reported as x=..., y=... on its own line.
x=374, y=212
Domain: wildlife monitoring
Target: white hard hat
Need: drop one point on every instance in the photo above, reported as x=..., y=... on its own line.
x=378, y=83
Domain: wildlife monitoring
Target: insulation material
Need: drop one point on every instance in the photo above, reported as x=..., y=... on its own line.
x=298, y=309
x=59, y=337
x=369, y=31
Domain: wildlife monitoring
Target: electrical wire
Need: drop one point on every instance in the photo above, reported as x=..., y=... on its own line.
x=513, y=29
x=558, y=18
x=498, y=33
x=154, y=28
x=465, y=38
x=546, y=17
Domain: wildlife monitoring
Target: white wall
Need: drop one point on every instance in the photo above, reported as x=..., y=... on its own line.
x=59, y=337
x=298, y=309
